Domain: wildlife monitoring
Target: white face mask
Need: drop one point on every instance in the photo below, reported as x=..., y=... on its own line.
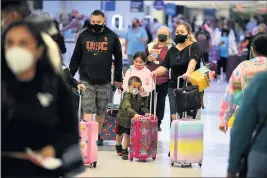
x=19, y=59
x=134, y=91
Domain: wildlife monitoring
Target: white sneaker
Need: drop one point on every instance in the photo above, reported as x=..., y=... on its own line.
x=218, y=78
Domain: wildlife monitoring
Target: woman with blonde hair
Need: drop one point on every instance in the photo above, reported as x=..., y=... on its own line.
x=156, y=52
x=182, y=59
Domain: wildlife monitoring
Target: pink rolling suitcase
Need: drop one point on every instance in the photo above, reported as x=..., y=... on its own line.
x=144, y=135
x=186, y=143
x=88, y=140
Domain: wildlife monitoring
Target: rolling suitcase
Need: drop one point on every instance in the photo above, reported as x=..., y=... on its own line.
x=186, y=145
x=232, y=63
x=88, y=139
x=108, y=131
x=186, y=142
x=144, y=135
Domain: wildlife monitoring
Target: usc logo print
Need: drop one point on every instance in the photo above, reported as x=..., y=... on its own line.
x=97, y=47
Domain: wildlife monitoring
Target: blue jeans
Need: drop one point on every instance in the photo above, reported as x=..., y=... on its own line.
x=172, y=101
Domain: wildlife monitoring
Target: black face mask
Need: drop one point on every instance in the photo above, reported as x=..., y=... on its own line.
x=162, y=37
x=180, y=38
x=96, y=27
x=134, y=25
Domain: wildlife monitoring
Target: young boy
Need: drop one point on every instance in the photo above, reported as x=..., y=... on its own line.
x=132, y=107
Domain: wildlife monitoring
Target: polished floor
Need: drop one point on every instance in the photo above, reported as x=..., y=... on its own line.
x=216, y=146
x=216, y=149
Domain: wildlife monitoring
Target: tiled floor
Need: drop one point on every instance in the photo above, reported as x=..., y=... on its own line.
x=215, y=150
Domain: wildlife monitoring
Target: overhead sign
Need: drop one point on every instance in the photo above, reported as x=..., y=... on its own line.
x=170, y=9
x=108, y=5
x=137, y=6
x=209, y=14
x=159, y=4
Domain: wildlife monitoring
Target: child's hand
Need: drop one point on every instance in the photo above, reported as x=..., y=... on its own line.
x=81, y=87
x=142, y=89
x=136, y=117
x=154, y=74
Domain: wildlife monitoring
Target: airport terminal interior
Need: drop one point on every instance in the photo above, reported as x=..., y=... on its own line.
x=216, y=148
x=231, y=24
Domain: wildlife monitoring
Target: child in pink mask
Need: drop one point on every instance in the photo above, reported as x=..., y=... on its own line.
x=140, y=70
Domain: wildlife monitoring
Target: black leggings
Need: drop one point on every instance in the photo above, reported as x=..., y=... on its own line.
x=222, y=63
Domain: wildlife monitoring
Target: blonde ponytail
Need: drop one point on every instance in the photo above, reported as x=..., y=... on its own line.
x=192, y=37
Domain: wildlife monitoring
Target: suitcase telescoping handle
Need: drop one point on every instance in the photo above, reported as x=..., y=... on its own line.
x=178, y=86
x=80, y=104
x=155, y=99
x=178, y=81
x=112, y=103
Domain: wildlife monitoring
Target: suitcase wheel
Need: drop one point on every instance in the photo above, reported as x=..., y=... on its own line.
x=172, y=164
x=144, y=160
x=94, y=164
x=131, y=159
x=154, y=157
x=182, y=166
x=200, y=164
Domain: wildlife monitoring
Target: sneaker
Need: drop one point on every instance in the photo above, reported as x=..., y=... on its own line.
x=119, y=150
x=100, y=142
x=124, y=154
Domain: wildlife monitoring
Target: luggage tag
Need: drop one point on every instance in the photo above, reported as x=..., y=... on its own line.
x=47, y=163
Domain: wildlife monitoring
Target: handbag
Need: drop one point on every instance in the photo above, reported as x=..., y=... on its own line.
x=187, y=97
x=200, y=77
x=244, y=159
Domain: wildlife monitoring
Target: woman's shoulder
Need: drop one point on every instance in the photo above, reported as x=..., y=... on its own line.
x=150, y=45
x=196, y=45
x=173, y=49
